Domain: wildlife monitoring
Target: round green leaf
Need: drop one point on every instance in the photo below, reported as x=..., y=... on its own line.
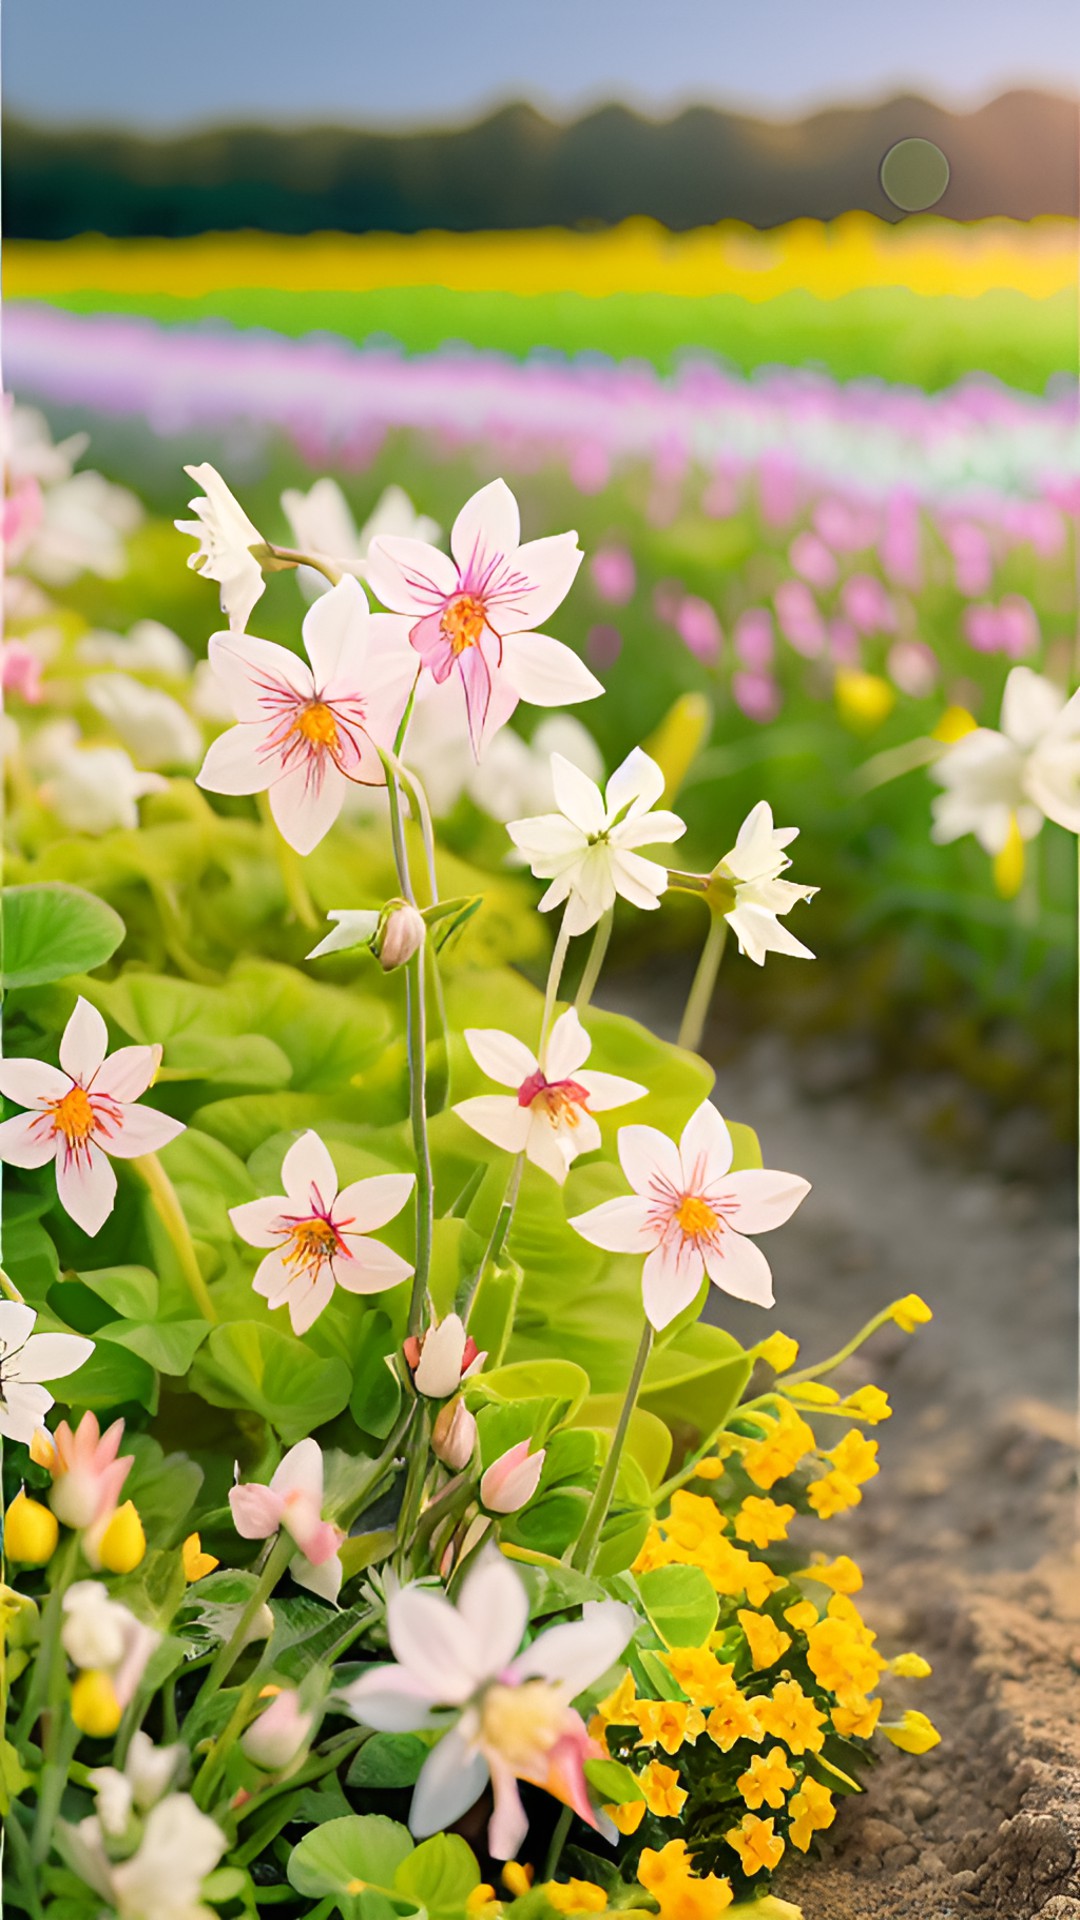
x=247, y=1364
x=680, y=1604
x=332, y=1858
x=52, y=930
x=440, y=1875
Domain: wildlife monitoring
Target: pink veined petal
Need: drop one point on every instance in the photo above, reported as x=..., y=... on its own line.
x=576, y=796
x=258, y=675
x=740, y=1268
x=84, y=1041
x=127, y=1073
x=307, y=801
x=85, y=1186
x=307, y=1297
x=543, y=572
x=495, y=1604
x=451, y=1779
x=607, y=1090
x=670, y=1278
x=368, y=1204
x=618, y=1226
x=545, y=672
x=274, y=1277
x=409, y=576
x=487, y=528
x=316, y=1538
x=28, y=1140
x=476, y=680
x=51, y=1356
x=256, y=1511
x=504, y=699
x=568, y=1047
x=370, y=1267
x=335, y=635
x=763, y=1198
x=259, y=1222
x=439, y=1648
x=552, y=1149
x=496, y=1117
x=239, y=761
x=301, y=1472
x=635, y=786
x=308, y=1174
x=32, y=1083
x=138, y=1129
x=389, y=1700
x=650, y=1162
x=581, y=1651
x=500, y=1055
x=705, y=1148
x=324, y=1579
x=509, y=1822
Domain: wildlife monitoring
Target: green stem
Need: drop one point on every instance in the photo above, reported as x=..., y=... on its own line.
x=166, y=1205
x=207, y=1777
x=558, y=1841
x=585, y=1551
x=226, y=1657
x=49, y=1669
x=699, y=999
x=499, y=1235
x=558, y=961
x=597, y=956
x=313, y=1769
x=347, y=1516
x=417, y=1044
x=8, y=1288
x=837, y=1359
x=415, y=790
x=293, y=557
x=414, y=1483
x=400, y=736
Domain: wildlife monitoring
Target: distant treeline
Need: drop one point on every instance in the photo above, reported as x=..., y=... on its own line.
x=1016, y=156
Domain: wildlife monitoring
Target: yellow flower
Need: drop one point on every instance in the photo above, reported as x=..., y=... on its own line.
x=1008, y=865
x=694, y=1521
x=681, y=1894
x=787, y=1441
x=734, y=1719
x=811, y=1810
x=575, y=1896
x=789, y=1715
x=863, y=700
x=856, y=1719
x=620, y=1707
x=668, y=1723
x=841, y=1574
x=869, y=1404
x=816, y=1394
x=833, y=1493
x=31, y=1531
x=95, y=1708
x=802, y=1616
x=911, y=1666
x=663, y=1795
x=517, y=1879
x=779, y=1352
x=910, y=1312
x=764, y=1638
x=842, y=1660
x=756, y=1844
x=855, y=1456
x=913, y=1734
x=123, y=1544
x=197, y=1563
x=703, y=1678
x=711, y=1468
x=762, y=1522
x=628, y=1817
x=767, y=1778
x=482, y=1899
x=954, y=723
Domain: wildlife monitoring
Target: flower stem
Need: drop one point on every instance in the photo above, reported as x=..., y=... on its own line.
x=558, y=961
x=597, y=956
x=558, y=1841
x=699, y=999
x=226, y=1657
x=584, y=1552
x=416, y=1021
x=166, y=1205
x=293, y=557
x=499, y=1234
x=8, y=1288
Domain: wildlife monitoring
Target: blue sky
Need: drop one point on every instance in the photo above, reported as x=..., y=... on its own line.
x=164, y=64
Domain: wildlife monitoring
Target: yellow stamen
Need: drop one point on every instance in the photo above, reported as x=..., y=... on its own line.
x=317, y=725
x=73, y=1116
x=463, y=622
x=695, y=1217
x=523, y=1722
x=311, y=1242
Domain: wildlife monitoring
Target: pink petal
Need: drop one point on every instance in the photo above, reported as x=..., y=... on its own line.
x=451, y=1779
x=763, y=1198
x=240, y=761
x=495, y=1603
x=316, y=1538
x=301, y=1472
x=737, y=1267
x=504, y=699
x=441, y=1650
x=308, y=1173
x=476, y=680
x=127, y=1073
x=549, y=567
x=488, y=527
x=85, y=1186
x=650, y=1162
x=259, y=1222
x=335, y=635
x=670, y=1278
x=258, y=676
x=496, y=1117
x=500, y=1055
x=138, y=1130
x=84, y=1041
x=256, y=1511
x=307, y=801
x=567, y=1049
x=308, y=1295
x=408, y=576
x=370, y=1203
x=31, y=1083
x=509, y=1823
x=370, y=1267
x=28, y=1139
x=618, y=1226
x=545, y=673
x=606, y=1090
x=705, y=1148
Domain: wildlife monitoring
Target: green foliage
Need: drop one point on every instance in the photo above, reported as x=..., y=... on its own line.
x=47, y=932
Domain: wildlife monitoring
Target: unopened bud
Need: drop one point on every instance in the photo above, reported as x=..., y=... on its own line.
x=119, y=1545
x=402, y=934
x=280, y=1734
x=512, y=1480
x=95, y=1708
x=30, y=1532
x=453, y=1438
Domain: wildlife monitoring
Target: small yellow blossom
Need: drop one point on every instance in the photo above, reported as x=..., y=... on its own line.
x=786, y=1443
x=575, y=1896
x=856, y=1456
x=756, y=1844
x=668, y=1723
x=517, y=1879
x=628, y=1817
x=789, y=1715
x=815, y=1393
x=663, y=1795
x=910, y=1312
x=734, y=1719
x=123, y=1544
x=681, y=1894
x=913, y=1734
x=654, y=1552
x=711, y=1468
x=856, y=1719
x=954, y=723
x=911, y=1666
x=482, y=1899
x=802, y=1616
x=841, y=1574
x=694, y=1521
x=812, y=1810
x=703, y=1678
x=196, y=1563
x=762, y=1522
x=1008, y=865
x=767, y=1779
x=779, y=1352
x=31, y=1531
x=868, y=1403
x=764, y=1638
x=834, y=1493
x=95, y=1708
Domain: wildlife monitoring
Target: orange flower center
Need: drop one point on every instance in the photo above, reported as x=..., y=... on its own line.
x=73, y=1116
x=463, y=622
x=695, y=1217
x=317, y=725
x=310, y=1243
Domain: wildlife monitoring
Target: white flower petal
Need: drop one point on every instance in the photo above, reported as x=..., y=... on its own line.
x=32, y=1083
x=367, y=1204
x=635, y=786
x=488, y=525
x=335, y=635
x=86, y=1186
x=1030, y=705
x=308, y=1174
x=581, y=1651
x=495, y=1603
x=650, y=1161
x=51, y=1356
x=84, y=1043
x=764, y=1198
x=546, y=673
x=409, y=576
x=670, y=1278
x=497, y=1117
x=705, y=1148
x=618, y=1226
x=607, y=1090
x=567, y=1049
x=577, y=797
x=740, y=1268
x=371, y=1267
x=500, y=1055
x=451, y=1780
x=389, y=1700
x=436, y=1645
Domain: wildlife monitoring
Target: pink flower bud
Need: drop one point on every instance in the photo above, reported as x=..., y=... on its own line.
x=444, y=1356
x=453, y=1438
x=402, y=935
x=511, y=1481
x=278, y=1737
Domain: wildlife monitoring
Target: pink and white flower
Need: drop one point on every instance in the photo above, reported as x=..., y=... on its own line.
x=26, y=1359
x=87, y=1475
x=306, y=731
x=319, y=1237
x=588, y=849
x=226, y=537
x=82, y=1114
x=689, y=1214
x=549, y=1116
x=512, y=1713
x=101, y=1634
x=476, y=615
x=511, y=1480
x=282, y=1732
x=294, y=1500
x=442, y=1358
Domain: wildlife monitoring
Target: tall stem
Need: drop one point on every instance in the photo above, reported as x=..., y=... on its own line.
x=700, y=996
x=597, y=956
x=273, y=1567
x=558, y=1841
x=416, y=1022
x=585, y=1551
x=499, y=1234
x=166, y=1205
x=551, y=995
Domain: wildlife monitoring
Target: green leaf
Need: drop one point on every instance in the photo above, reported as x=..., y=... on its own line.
x=50, y=931
x=680, y=1603
x=332, y=1858
x=251, y=1365
x=697, y=1380
x=612, y=1783
x=440, y=1875
x=376, y=1390
x=111, y=1378
x=562, y=1384
x=388, y=1760
x=169, y=1347
x=132, y=1292
x=648, y=1440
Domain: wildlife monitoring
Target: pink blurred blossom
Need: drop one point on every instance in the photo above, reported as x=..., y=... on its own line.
x=867, y=605
x=20, y=671
x=800, y=617
x=844, y=650
x=901, y=542
x=811, y=558
x=757, y=694
x=844, y=526
x=590, y=467
x=913, y=668
x=667, y=599
x=20, y=517
x=753, y=638
x=613, y=574
x=973, y=562
x=698, y=628
x=603, y=645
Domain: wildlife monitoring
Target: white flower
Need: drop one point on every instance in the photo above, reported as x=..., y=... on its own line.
x=549, y=1116
x=226, y=537
x=150, y=647
x=322, y=523
x=94, y=789
x=82, y=1115
x=294, y=1500
x=355, y=927
x=280, y=1734
x=690, y=1214
x=442, y=1357
x=152, y=725
x=30, y=452
x=319, y=1238
x=1027, y=772
x=514, y=778
x=163, y=1879
x=102, y=1635
x=85, y=523
x=26, y=1359
x=753, y=866
x=512, y=1713
x=148, y=1774
x=587, y=849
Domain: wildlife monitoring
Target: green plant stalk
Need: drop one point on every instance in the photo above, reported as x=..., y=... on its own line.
x=595, y=961
x=206, y=1779
x=584, y=1552
x=26, y=1874
x=414, y=1483
x=499, y=1234
x=49, y=1668
x=699, y=999
x=416, y=1020
x=379, y=1466
x=558, y=1842
x=837, y=1359
x=167, y=1206
x=226, y=1657
x=61, y=1736
x=558, y=961
x=313, y=1769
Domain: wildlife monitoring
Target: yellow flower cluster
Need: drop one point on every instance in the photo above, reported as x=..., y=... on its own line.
x=852, y=1462
x=693, y=1535
x=681, y=1894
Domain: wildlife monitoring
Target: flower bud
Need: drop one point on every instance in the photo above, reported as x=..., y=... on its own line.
x=19, y=1618
x=442, y=1358
x=453, y=1438
x=278, y=1737
x=95, y=1708
x=120, y=1544
x=30, y=1532
x=512, y=1480
x=913, y=1734
x=910, y=1312
x=402, y=934
x=197, y=1564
